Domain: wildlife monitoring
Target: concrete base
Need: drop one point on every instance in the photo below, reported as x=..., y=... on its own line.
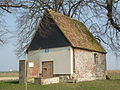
x=46, y=81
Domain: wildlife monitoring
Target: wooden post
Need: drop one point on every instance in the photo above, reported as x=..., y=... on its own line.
x=22, y=72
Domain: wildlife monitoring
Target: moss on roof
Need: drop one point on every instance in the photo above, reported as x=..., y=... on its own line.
x=76, y=32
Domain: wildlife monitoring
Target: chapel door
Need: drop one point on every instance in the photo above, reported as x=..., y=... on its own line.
x=47, y=69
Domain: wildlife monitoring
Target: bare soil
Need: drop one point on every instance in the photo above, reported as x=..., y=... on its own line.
x=9, y=76
x=113, y=72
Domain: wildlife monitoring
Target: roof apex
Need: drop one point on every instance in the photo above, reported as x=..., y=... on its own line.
x=76, y=32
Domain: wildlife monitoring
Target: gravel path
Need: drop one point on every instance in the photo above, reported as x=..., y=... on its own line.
x=9, y=78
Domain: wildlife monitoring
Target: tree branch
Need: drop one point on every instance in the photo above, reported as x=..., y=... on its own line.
x=74, y=6
x=109, y=7
x=6, y=10
x=14, y=6
x=110, y=13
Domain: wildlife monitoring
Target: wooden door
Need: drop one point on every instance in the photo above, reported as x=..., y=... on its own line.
x=47, y=69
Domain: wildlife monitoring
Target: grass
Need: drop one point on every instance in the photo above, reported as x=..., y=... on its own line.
x=113, y=74
x=88, y=85
x=113, y=84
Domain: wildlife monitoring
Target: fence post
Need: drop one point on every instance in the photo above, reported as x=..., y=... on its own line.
x=22, y=72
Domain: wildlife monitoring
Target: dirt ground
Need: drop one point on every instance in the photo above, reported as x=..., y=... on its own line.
x=113, y=72
x=9, y=78
x=9, y=74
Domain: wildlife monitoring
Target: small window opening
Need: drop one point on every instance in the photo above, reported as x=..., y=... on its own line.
x=46, y=50
x=96, y=58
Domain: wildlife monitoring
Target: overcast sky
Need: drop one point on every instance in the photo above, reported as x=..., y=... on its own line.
x=8, y=59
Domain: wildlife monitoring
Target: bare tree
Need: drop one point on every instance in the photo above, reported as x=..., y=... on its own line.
x=102, y=17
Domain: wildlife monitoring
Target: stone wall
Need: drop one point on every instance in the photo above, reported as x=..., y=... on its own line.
x=46, y=81
x=85, y=68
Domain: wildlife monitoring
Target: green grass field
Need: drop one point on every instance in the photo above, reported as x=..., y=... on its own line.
x=89, y=85
x=113, y=74
x=113, y=84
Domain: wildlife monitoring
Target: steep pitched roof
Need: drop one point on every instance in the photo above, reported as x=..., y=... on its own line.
x=76, y=32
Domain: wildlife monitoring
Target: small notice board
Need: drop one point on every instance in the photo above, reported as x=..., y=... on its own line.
x=31, y=64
